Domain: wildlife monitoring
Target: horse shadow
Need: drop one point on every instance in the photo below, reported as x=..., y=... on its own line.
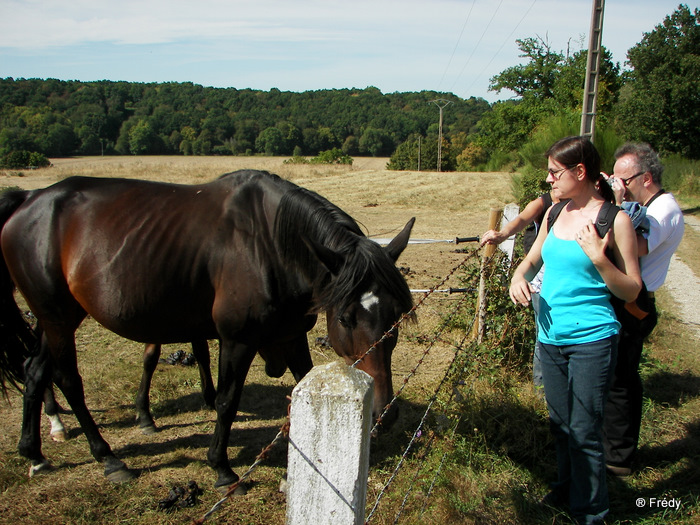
x=259, y=403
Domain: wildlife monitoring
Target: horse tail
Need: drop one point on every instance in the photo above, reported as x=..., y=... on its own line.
x=18, y=340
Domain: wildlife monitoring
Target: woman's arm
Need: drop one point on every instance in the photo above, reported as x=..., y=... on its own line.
x=525, y=217
x=520, y=291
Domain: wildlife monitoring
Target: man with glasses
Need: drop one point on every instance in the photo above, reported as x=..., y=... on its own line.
x=637, y=177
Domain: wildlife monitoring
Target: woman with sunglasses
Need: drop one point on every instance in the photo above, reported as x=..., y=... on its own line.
x=577, y=326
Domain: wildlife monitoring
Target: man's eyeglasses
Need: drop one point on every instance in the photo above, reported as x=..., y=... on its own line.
x=626, y=182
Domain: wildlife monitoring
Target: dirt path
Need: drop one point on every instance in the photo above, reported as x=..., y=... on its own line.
x=684, y=285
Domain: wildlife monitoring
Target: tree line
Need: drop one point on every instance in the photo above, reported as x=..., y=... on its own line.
x=655, y=99
x=62, y=118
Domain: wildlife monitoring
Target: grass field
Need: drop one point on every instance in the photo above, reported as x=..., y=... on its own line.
x=493, y=466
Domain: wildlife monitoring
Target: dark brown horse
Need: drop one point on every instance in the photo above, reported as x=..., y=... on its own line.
x=248, y=259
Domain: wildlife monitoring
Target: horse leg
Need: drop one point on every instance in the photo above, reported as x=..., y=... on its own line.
x=68, y=379
x=298, y=357
x=51, y=408
x=200, y=349
x=234, y=363
x=37, y=379
x=145, y=420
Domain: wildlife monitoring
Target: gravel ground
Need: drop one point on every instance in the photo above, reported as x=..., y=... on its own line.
x=684, y=285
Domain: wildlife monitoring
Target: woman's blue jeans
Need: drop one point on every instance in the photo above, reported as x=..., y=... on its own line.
x=576, y=383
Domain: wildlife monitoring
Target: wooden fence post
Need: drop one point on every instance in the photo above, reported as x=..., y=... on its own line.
x=329, y=437
x=478, y=326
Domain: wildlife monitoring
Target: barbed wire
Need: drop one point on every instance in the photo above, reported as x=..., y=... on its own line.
x=284, y=430
x=417, y=432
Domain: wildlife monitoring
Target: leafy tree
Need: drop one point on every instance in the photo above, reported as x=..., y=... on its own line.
x=203, y=144
x=59, y=141
x=661, y=103
x=270, y=141
x=405, y=157
x=537, y=77
x=376, y=142
x=142, y=139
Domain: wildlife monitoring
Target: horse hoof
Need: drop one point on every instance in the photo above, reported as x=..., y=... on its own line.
x=120, y=476
x=149, y=430
x=44, y=466
x=59, y=436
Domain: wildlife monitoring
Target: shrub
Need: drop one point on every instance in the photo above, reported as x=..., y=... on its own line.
x=24, y=159
x=332, y=156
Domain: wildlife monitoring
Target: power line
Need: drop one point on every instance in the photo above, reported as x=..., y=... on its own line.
x=505, y=41
x=449, y=62
x=477, y=45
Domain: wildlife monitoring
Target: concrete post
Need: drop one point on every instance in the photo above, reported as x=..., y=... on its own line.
x=510, y=212
x=328, y=460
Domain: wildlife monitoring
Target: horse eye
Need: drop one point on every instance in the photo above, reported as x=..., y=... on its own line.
x=343, y=321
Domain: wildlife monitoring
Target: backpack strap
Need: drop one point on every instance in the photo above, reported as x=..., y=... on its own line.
x=554, y=213
x=547, y=199
x=606, y=218
x=604, y=221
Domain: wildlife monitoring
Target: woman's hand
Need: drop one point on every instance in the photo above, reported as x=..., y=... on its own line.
x=520, y=291
x=591, y=243
x=492, y=237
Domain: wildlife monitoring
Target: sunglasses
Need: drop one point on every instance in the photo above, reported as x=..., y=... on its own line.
x=558, y=173
x=626, y=182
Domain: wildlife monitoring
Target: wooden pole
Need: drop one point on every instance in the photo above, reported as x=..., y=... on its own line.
x=590, y=89
x=489, y=250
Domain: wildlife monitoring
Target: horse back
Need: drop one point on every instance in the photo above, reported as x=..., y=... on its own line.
x=150, y=261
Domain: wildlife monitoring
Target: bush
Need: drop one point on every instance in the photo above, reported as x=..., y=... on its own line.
x=24, y=159
x=681, y=175
x=297, y=159
x=332, y=156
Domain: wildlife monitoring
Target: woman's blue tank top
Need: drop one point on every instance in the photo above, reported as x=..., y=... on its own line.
x=574, y=302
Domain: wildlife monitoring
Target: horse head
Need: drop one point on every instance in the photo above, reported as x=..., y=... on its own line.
x=374, y=296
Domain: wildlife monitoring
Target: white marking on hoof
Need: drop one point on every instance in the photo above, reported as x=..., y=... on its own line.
x=59, y=436
x=58, y=431
x=368, y=300
x=44, y=466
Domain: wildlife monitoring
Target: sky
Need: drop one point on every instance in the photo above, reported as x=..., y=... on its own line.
x=299, y=45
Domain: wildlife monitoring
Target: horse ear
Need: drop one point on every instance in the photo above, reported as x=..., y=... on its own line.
x=398, y=244
x=332, y=260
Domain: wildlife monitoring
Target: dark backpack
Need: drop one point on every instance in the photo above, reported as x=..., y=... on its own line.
x=530, y=233
x=629, y=314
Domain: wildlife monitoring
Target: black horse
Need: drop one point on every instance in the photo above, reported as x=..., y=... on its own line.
x=249, y=259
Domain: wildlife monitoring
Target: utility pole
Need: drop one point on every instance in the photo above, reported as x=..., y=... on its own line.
x=440, y=103
x=590, y=89
x=419, y=144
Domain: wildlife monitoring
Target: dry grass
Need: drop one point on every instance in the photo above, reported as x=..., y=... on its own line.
x=446, y=205
x=500, y=463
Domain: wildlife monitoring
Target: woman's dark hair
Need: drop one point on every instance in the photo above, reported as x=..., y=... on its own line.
x=571, y=151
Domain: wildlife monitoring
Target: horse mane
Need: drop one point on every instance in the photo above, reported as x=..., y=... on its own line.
x=303, y=214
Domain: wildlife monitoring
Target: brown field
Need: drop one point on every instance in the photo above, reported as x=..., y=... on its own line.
x=482, y=484
x=446, y=205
